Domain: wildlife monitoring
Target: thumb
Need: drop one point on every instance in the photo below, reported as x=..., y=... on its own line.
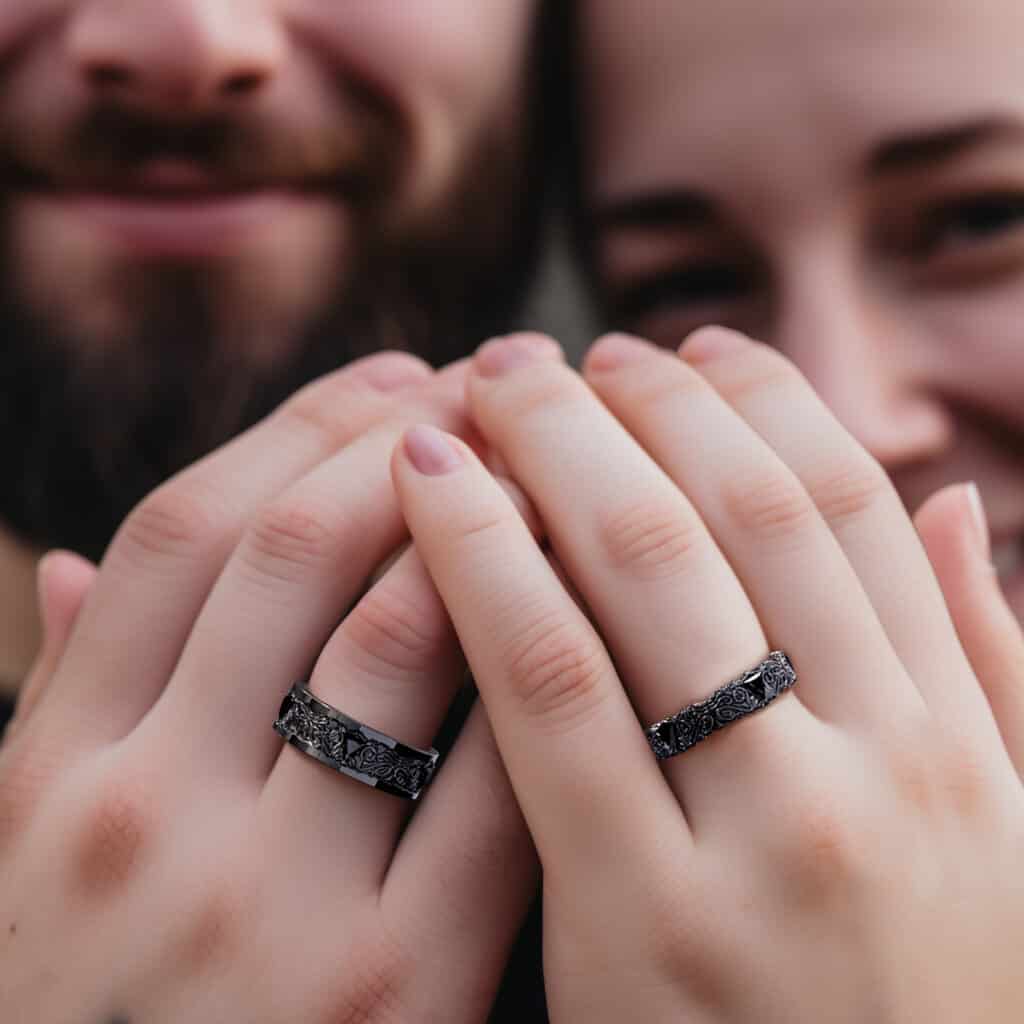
x=954, y=530
x=62, y=582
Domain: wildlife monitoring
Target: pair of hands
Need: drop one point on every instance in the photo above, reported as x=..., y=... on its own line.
x=849, y=854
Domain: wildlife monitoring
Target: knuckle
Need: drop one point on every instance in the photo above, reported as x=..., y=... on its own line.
x=26, y=769
x=218, y=929
x=395, y=633
x=374, y=987
x=681, y=947
x=913, y=775
x=825, y=859
x=471, y=533
x=329, y=409
x=966, y=780
x=768, y=505
x=115, y=837
x=174, y=521
x=556, y=671
x=651, y=539
x=934, y=781
x=292, y=536
x=846, y=492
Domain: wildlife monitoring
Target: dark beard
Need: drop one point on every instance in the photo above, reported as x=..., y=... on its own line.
x=85, y=435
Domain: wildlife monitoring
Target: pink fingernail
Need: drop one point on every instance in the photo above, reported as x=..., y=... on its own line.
x=503, y=354
x=392, y=371
x=615, y=350
x=431, y=451
x=709, y=343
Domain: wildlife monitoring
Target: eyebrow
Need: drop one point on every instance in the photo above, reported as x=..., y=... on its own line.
x=660, y=208
x=911, y=152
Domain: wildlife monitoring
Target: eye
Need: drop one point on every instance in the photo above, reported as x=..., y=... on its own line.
x=973, y=221
x=688, y=290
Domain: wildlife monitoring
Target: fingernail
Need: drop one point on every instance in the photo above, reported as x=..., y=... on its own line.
x=707, y=343
x=980, y=520
x=503, y=354
x=431, y=451
x=615, y=350
x=395, y=375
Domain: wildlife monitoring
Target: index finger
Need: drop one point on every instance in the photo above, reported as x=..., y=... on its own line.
x=589, y=787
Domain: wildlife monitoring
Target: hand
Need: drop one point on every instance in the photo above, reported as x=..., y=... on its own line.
x=850, y=853
x=162, y=857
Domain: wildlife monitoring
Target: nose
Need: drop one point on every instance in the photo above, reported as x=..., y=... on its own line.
x=174, y=55
x=862, y=359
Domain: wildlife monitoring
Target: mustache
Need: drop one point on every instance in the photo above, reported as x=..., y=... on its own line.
x=359, y=154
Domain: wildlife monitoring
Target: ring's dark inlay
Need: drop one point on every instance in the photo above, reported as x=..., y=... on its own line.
x=753, y=690
x=352, y=748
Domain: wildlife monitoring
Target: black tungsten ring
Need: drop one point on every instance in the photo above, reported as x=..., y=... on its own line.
x=352, y=748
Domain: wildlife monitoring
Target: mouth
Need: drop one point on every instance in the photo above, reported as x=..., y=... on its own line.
x=175, y=209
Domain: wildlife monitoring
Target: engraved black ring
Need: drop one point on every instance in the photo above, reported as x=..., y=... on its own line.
x=753, y=690
x=352, y=748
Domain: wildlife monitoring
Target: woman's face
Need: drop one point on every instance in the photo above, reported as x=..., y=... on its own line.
x=844, y=181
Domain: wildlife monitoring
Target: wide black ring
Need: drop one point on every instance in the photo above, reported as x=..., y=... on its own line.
x=754, y=690
x=352, y=748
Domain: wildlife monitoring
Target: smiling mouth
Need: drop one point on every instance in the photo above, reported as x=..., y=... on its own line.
x=175, y=209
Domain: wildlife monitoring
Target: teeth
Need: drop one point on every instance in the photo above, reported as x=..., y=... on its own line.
x=1008, y=557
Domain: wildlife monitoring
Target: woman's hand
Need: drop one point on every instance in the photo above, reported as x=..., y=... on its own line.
x=162, y=857
x=850, y=853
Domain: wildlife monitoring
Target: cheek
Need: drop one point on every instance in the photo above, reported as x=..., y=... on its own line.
x=976, y=344
x=18, y=18
x=461, y=53
x=450, y=65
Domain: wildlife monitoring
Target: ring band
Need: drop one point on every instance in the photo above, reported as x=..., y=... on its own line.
x=752, y=691
x=352, y=748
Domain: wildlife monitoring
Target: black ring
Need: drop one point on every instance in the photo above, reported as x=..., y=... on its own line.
x=753, y=690
x=352, y=748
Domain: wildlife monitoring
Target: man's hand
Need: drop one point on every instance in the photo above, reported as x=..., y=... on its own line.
x=162, y=857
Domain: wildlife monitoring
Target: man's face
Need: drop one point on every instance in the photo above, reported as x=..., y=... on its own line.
x=845, y=181
x=219, y=197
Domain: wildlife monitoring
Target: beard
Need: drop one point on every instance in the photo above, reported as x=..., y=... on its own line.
x=86, y=431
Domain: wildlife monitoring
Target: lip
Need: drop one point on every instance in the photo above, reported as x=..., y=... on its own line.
x=174, y=208
x=183, y=221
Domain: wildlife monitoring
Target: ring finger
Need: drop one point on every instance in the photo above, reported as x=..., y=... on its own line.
x=669, y=606
x=806, y=593
x=858, y=502
x=393, y=664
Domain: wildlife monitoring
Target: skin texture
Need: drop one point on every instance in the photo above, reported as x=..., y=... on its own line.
x=151, y=820
x=843, y=182
x=866, y=828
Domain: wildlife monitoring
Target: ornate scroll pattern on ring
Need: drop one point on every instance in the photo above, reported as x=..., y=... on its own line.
x=751, y=692
x=351, y=747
